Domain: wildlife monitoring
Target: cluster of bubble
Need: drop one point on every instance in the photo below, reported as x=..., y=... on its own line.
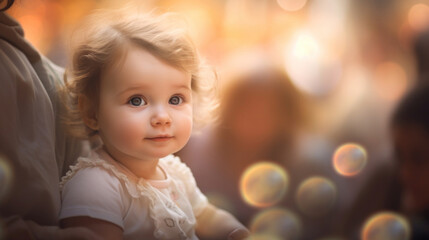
x=349, y=160
x=265, y=184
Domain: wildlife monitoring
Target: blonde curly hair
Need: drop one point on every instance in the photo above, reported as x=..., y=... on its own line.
x=102, y=41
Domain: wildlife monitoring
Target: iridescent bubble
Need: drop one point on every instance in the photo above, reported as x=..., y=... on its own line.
x=5, y=177
x=386, y=226
x=349, y=159
x=316, y=196
x=264, y=184
x=278, y=222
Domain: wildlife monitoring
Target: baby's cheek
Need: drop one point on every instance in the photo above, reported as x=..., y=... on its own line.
x=128, y=131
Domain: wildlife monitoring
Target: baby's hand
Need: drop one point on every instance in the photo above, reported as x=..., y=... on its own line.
x=238, y=234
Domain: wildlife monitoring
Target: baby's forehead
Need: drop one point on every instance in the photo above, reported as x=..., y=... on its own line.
x=139, y=67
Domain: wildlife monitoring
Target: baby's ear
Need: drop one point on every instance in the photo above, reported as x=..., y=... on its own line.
x=88, y=112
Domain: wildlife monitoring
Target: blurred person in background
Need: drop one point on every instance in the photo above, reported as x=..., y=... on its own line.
x=410, y=131
x=257, y=122
x=421, y=53
x=34, y=148
x=403, y=186
x=262, y=118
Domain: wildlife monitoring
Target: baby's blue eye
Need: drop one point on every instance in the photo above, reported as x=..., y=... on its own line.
x=137, y=101
x=175, y=100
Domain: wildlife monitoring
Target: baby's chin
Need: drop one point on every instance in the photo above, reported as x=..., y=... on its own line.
x=163, y=154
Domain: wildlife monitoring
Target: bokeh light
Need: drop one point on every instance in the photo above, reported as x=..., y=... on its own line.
x=292, y=5
x=418, y=17
x=264, y=184
x=386, y=226
x=5, y=177
x=311, y=68
x=328, y=19
x=316, y=196
x=278, y=222
x=390, y=81
x=349, y=159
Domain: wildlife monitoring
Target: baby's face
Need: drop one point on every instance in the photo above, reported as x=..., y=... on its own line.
x=145, y=109
x=411, y=147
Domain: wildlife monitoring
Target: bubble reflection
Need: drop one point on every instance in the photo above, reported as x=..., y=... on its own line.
x=277, y=222
x=264, y=184
x=349, y=159
x=386, y=226
x=316, y=196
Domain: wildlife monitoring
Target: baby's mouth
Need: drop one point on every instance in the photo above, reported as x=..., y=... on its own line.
x=160, y=138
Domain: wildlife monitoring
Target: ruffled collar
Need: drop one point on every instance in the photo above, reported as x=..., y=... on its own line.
x=170, y=220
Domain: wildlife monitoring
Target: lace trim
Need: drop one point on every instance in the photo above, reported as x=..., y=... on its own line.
x=142, y=188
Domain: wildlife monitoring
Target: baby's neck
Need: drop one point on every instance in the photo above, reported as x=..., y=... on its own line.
x=141, y=168
x=149, y=170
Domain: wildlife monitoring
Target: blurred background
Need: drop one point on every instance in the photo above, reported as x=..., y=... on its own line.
x=346, y=63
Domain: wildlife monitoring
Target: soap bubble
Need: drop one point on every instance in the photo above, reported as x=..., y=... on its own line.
x=386, y=226
x=264, y=184
x=349, y=159
x=277, y=222
x=316, y=196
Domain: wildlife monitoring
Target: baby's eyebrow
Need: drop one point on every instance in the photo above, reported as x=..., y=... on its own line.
x=131, y=89
x=183, y=86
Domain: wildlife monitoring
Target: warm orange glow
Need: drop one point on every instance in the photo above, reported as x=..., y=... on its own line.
x=418, y=17
x=390, y=81
x=292, y=5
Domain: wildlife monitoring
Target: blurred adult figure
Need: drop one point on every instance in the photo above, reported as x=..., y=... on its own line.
x=410, y=128
x=421, y=53
x=34, y=147
x=260, y=114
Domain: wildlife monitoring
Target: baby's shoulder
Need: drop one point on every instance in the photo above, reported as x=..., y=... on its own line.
x=93, y=173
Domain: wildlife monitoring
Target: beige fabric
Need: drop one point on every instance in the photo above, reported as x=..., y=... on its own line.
x=31, y=136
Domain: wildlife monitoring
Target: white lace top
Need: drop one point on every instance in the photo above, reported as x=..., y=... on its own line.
x=100, y=187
